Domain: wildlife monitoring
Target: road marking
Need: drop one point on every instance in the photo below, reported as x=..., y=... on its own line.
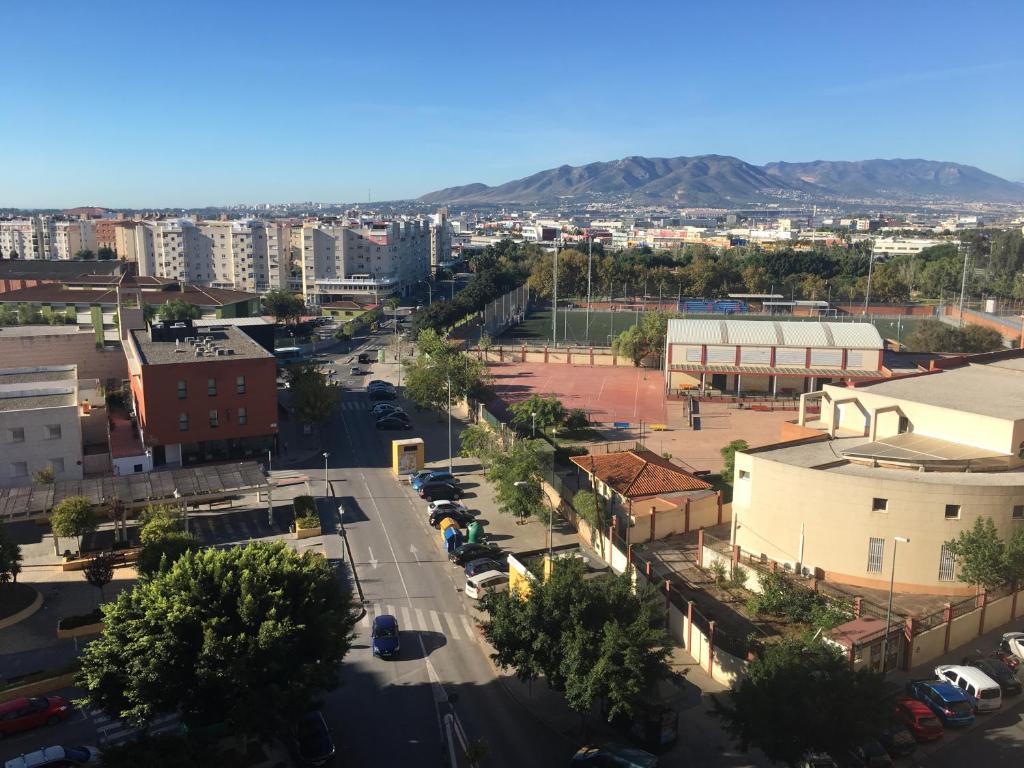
x=452, y=627
x=406, y=617
x=469, y=627
x=435, y=620
x=373, y=560
x=365, y=621
x=421, y=620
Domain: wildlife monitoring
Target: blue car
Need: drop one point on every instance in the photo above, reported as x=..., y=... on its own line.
x=385, y=636
x=951, y=705
x=432, y=474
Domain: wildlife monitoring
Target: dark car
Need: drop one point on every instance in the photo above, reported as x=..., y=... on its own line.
x=378, y=383
x=466, y=553
x=24, y=714
x=379, y=393
x=485, y=564
x=385, y=636
x=383, y=409
x=311, y=740
x=364, y=358
x=440, y=489
x=949, y=703
x=998, y=671
x=614, y=756
x=462, y=518
x=918, y=718
x=427, y=475
x=898, y=740
x=869, y=754
x=393, y=421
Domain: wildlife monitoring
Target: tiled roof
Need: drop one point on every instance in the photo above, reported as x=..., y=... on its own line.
x=639, y=473
x=54, y=293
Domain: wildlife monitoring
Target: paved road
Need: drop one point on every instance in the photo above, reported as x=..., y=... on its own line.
x=404, y=571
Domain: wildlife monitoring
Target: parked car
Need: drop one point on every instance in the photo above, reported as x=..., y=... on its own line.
x=465, y=553
x=897, y=740
x=432, y=474
x=615, y=755
x=949, y=703
x=999, y=672
x=55, y=757
x=355, y=370
x=485, y=583
x=984, y=692
x=473, y=567
x=918, y=718
x=393, y=421
x=380, y=393
x=1006, y=658
x=385, y=636
x=364, y=358
x=461, y=518
x=311, y=740
x=817, y=760
x=868, y=754
x=379, y=383
x=382, y=409
x=25, y=714
x=439, y=489
x=445, y=504
x=1013, y=644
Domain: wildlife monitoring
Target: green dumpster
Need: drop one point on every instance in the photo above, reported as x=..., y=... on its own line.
x=475, y=533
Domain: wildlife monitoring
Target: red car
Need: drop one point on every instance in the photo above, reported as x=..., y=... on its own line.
x=25, y=714
x=916, y=717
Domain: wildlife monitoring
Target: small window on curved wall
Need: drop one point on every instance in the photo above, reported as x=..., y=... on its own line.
x=1020, y=451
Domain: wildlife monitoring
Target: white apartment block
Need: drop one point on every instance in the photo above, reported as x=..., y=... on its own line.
x=363, y=261
x=895, y=246
x=20, y=238
x=46, y=237
x=440, y=240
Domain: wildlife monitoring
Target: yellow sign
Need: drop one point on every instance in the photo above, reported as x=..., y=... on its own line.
x=407, y=456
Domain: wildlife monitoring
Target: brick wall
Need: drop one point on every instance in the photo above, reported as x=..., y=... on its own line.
x=73, y=348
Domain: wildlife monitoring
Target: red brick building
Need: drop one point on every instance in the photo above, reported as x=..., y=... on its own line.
x=202, y=394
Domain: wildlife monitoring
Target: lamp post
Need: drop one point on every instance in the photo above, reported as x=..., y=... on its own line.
x=430, y=292
x=551, y=507
x=326, y=481
x=888, y=611
x=448, y=377
x=590, y=257
x=182, y=507
x=533, y=432
x=270, y=466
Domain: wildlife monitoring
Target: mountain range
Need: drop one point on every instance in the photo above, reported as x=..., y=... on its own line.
x=721, y=180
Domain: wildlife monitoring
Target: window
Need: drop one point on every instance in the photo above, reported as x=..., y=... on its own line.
x=57, y=465
x=213, y=418
x=18, y=435
x=240, y=385
x=182, y=389
x=744, y=474
x=19, y=469
x=875, y=549
x=952, y=511
x=946, y=564
x=904, y=425
x=52, y=431
x=183, y=422
x=211, y=387
x=1018, y=511
x=243, y=417
x=136, y=467
x=879, y=505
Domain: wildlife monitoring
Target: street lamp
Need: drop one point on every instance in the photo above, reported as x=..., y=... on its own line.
x=430, y=291
x=551, y=507
x=533, y=433
x=183, y=508
x=888, y=611
x=326, y=482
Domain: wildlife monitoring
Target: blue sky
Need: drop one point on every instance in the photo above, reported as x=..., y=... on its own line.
x=206, y=103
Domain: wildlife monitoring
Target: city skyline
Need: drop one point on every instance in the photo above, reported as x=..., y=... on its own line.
x=210, y=106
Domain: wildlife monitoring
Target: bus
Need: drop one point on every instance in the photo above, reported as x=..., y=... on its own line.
x=287, y=355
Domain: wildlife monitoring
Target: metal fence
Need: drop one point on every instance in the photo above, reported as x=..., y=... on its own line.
x=963, y=607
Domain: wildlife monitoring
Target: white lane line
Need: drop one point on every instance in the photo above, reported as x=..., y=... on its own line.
x=390, y=610
x=452, y=627
x=435, y=620
x=406, y=617
x=468, y=627
x=421, y=620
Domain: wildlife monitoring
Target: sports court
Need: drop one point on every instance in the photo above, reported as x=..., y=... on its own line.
x=607, y=393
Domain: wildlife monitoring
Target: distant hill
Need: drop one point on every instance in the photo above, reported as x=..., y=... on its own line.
x=721, y=180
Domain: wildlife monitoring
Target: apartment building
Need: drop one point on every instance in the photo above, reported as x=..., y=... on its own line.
x=363, y=261
x=440, y=241
x=22, y=239
x=919, y=457
x=896, y=246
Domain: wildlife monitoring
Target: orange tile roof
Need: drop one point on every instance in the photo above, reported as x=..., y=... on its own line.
x=639, y=473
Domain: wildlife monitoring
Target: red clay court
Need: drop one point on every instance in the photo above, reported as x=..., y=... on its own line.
x=607, y=393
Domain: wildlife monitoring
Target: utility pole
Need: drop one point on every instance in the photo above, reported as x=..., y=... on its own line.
x=554, y=302
x=963, y=286
x=590, y=257
x=871, y=264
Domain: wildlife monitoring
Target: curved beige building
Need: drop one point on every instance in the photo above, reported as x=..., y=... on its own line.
x=920, y=457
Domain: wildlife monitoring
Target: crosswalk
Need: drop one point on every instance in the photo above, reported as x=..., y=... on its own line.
x=112, y=731
x=355, y=405
x=454, y=626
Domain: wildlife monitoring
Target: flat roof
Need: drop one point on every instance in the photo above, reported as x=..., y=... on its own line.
x=43, y=330
x=993, y=389
x=36, y=374
x=775, y=333
x=223, y=337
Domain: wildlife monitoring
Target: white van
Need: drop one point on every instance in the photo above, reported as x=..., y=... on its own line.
x=983, y=689
x=483, y=583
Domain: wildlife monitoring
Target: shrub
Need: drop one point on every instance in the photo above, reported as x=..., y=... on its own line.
x=576, y=418
x=717, y=570
x=308, y=520
x=304, y=505
x=738, y=580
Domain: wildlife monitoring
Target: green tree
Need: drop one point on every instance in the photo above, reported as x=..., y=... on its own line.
x=438, y=364
x=177, y=311
x=980, y=555
x=729, y=459
x=100, y=571
x=548, y=412
x=592, y=639
x=29, y=315
x=106, y=254
x=589, y=506
x=246, y=636
x=10, y=557
x=516, y=477
x=828, y=707
x=74, y=516
x=933, y=336
x=163, y=538
x=978, y=338
x=85, y=254
x=169, y=750
x=1013, y=557
x=284, y=306
x=43, y=476
x=314, y=398
x=480, y=442
x=645, y=339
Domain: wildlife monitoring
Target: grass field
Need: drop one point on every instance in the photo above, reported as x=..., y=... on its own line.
x=604, y=325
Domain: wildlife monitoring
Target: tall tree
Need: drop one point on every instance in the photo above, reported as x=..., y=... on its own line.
x=73, y=516
x=828, y=707
x=178, y=310
x=10, y=557
x=106, y=254
x=980, y=555
x=545, y=412
x=315, y=399
x=284, y=306
x=247, y=636
x=438, y=364
x=729, y=458
x=516, y=477
x=164, y=539
x=85, y=254
x=480, y=442
x=100, y=571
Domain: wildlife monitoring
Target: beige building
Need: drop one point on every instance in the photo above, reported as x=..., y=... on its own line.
x=50, y=419
x=920, y=457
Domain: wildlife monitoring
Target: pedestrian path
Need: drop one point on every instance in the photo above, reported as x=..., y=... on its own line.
x=454, y=626
x=111, y=731
x=231, y=527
